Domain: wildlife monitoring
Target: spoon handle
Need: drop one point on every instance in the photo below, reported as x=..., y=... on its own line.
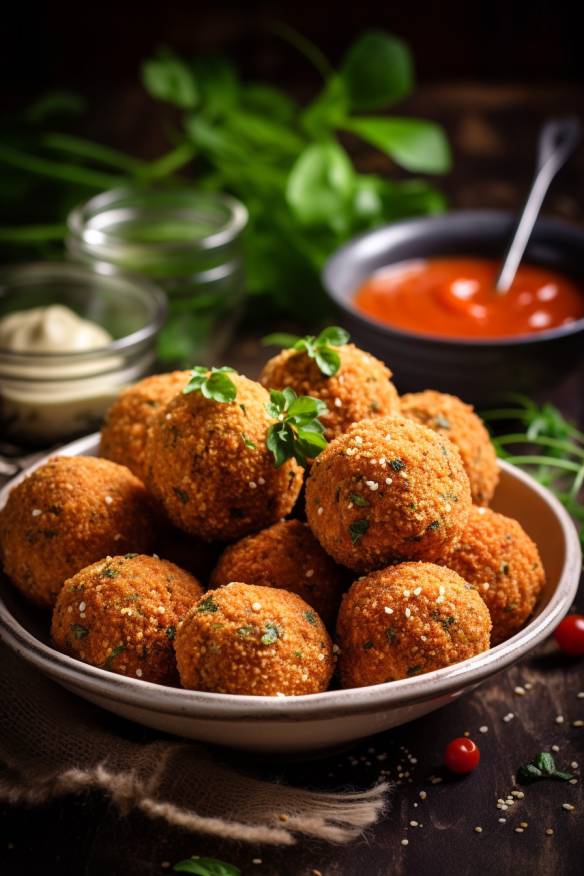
x=557, y=140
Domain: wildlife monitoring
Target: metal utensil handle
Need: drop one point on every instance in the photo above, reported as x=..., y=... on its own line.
x=557, y=140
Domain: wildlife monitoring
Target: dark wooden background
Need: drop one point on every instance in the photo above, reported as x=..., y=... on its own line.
x=468, y=54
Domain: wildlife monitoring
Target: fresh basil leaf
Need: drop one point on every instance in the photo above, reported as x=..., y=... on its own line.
x=305, y=405
x=328, y=361
x=219, y=387
x=377, y=71
x=206, y=867
x=412, y=143
x=166, y=77
x=320, y=184
x=545, y=762
x=280, y=339
x=334, y=335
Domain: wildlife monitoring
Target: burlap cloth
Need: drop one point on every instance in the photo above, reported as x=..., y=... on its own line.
x=52, y=744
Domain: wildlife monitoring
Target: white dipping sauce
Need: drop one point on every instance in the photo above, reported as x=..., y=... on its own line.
x=53, y=329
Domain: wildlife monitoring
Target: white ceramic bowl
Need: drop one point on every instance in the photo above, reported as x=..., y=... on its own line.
x=318, y=721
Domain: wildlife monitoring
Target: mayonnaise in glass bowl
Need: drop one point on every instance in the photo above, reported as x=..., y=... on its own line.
x=70, y=339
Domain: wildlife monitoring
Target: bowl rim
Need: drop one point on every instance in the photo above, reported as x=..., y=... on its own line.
x=14, y=274
x=312, y=707
x=452, y=217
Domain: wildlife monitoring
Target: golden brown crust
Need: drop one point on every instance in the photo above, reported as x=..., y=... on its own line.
x=123, y=435
x=122, y=614
x=287, y=556
x=68, y=513
x=386, y=491
x=243, y=639
x=361, y=389
x=406, y=620
x=207, y=463
x=496, y=555
x=452, y=418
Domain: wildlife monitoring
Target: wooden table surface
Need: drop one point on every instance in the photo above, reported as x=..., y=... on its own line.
x=88, y=836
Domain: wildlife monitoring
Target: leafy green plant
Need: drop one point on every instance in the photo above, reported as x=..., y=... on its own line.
x=542, y=767
x=318, y=348
x=287, y=163
x=206, y=867
x=550, y=447
x=298, y=433
x=212, y=383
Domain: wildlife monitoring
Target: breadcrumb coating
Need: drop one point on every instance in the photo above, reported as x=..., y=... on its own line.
x=243, y=639
x=68, y=513
x=122, y=614
x=207, y=463
x=496, y=555
x=123, y=435
x=388, y=490
x=406, y=620
x=452, y=418
x=360, y=389
x=287, y=556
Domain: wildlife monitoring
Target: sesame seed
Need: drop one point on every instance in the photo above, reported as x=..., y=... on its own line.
x=555, y=747
x=382, y=460
x=508, y=717
x=435, y=780
x=405, y=842
x=321, y=657
x=440, y=599
x=373, y=485
x=256, y=606
x=373, y=461
x=483, y=729
x=168, y=417
x=336, y=649
x=573, y=781
x=257, y=861
x=519, y=794
x=580, y=694
x=387, y=436
x=519, y=830
x=578, y=723
x=405, y=593
x=252, y=485
x=320, y=511
x=358, y=440
x=261, y=481
x=423, y=795
x=502, y=820
x=424, y=638
x=520, y=691
x=413, y=823
x=351, y=451
x=417, y=591
x=568, y=807
x=403, y=474
x=160, y=610
x=389, y=481
x=82, y=606
x=388, y=610
x=36, y=512
x=481, y=510
x=574, y=764
x=441, y=590
x=478, y=830
x=108, y=500
x=549, y=831
x=528, y=685
x=408, y=612
x=139, y=673
x=338, y=403
x=309, y=573
x=278, y=694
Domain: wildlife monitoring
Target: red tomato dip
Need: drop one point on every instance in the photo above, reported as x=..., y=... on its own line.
x=456, y=298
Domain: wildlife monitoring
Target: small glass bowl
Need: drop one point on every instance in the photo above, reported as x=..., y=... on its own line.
x=188, y=242
x=48, y=397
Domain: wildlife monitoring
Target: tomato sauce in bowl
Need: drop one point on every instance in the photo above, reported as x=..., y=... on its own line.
x=456, y=298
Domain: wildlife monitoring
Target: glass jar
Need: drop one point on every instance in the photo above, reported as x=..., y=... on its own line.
x=187, y=241
x=47, y=397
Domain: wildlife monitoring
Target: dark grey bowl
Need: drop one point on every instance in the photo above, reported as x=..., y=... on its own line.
x=478, y=371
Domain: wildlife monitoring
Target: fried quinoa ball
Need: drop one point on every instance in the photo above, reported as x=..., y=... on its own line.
x=207, y=463
x=387, y=491
x=123, y=436
x=68, y=513
x=122, y=614
x=360, y=389
x=287, y=556
x=406, y=620
x=453, y=419
x=496, y=555
x=243, y=639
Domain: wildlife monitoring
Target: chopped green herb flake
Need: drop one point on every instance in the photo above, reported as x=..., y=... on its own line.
x=310, y=617
x=170, y=633
x=442, y=422
x=358, y=500
x=247, y=441
x=414, y=670
x=504, y=568
x=368, y=645
x=397, y=464
x=78, y=631
x=298, y=653
x=272, y=633
x=113, y=653
x=130, y=556
x=207, y=606
x=432, y=527
x=391, y=635
x=108, y=572
x=357, y=529
x=181, y=494
x=543, y=766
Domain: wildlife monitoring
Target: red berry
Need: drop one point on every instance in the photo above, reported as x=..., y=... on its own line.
x=570, y=635
x=462, y=755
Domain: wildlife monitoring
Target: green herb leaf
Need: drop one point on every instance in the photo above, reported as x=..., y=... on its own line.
x=310, y=617
x=357, y=530
x=528, y=773
x=247, y=441
x=212, y=383
x=318, y=348
x=545, y=762
x=280, y=339
x=542, y=767
x=206, y=867
x=377, y=71
x=166, y=77
x=358, y=500
x=207, y=605
x=170, y=633
x=78, y=631
x=417, y=145
x=320, y=185
x=272, y=633
x=298, y=434
x=112, y=655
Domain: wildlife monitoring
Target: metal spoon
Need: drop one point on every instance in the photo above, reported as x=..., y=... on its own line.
x=557, y=140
